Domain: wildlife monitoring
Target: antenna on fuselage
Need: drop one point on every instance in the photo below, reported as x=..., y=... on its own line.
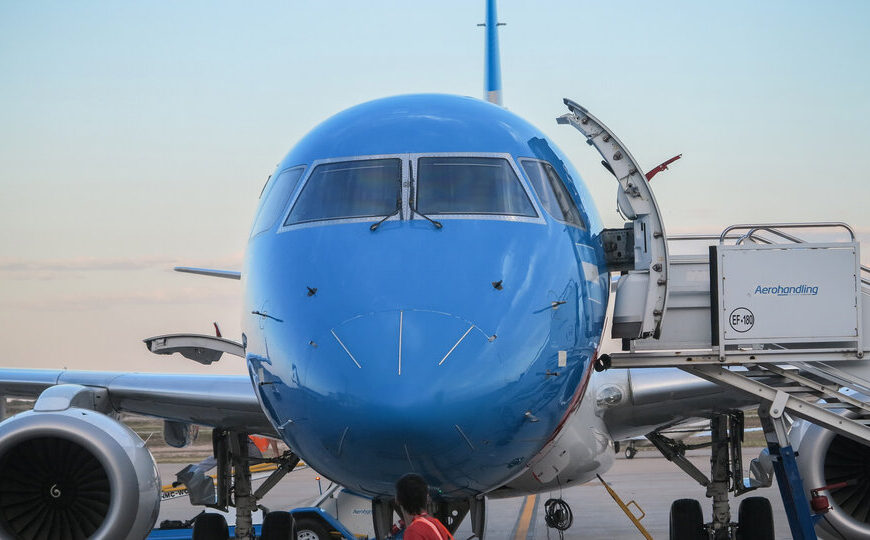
x=492, y=75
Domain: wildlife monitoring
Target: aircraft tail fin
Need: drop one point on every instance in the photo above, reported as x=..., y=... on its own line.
x=492, y=76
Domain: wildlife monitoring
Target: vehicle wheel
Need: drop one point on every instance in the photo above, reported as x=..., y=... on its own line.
x=277, y=526
x=630, y=452
x=687, y=520
x=755, y=519
x=310, y=529
x=210, y=527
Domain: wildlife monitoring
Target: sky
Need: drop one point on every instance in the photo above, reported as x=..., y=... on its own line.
x=137, y=136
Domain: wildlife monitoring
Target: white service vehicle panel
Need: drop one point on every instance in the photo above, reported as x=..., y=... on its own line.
x=798, y=293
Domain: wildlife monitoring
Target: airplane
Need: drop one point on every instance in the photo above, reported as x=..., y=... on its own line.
x=425, y=290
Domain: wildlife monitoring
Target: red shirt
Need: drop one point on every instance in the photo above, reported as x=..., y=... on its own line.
x=425, y=527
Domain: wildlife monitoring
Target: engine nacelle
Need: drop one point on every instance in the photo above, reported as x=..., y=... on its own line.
x=825, y=458
x=70, y=472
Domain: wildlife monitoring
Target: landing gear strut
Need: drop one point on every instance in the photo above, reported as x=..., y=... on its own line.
x=234, y=482
x=755, y=519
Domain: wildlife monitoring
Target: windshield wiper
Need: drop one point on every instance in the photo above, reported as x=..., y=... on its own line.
x=413, y=202
x=375, y=226
x=427, y=218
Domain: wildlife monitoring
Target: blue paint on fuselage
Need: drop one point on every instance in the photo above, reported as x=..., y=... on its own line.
x=328, y=366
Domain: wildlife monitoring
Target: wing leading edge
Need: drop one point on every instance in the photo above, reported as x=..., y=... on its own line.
x=223, y=401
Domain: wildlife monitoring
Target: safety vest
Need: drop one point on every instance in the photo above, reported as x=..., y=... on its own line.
x=424, y=519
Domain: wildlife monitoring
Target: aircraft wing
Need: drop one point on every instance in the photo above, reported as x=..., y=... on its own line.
x=224, y=401
x=656, y=398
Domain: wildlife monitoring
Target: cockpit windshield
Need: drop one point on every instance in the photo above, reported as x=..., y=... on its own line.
x=349, y=189
x=470, y=185
x=276, y=193
x=552, y=192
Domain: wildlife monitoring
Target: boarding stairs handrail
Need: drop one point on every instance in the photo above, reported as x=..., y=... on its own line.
x=753, y=235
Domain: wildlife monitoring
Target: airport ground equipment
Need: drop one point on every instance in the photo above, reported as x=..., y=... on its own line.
x=761, y=311
x=798, y=348
x=335, y=514
x=626, y=507
x=309, y=523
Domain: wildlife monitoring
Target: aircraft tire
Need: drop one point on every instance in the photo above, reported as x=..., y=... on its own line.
x=309, y=529
x=687, y=520
x=755, y=519
x=630, y=452
x=210, y=527
x=277, y=526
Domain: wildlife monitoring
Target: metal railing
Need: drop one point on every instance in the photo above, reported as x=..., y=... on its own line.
x=753, y=231
x=773, y=228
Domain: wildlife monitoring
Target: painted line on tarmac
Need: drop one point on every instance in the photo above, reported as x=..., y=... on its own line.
x=534, y=521
x=522, y=529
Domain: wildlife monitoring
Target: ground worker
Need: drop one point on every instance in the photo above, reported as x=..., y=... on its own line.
x=412, y=494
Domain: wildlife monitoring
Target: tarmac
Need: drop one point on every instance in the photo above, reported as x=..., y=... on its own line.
x=648, y=479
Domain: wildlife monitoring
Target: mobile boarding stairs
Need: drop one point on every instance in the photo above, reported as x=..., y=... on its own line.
x=761, y=310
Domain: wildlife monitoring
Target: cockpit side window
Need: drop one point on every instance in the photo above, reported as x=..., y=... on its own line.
x=552, y=192
x=275, y=198
x=470, y=185
x=349, y=189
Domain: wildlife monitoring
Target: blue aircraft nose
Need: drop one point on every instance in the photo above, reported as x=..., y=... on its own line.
x=408, y=391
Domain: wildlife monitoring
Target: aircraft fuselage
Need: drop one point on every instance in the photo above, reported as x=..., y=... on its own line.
x=454, y=351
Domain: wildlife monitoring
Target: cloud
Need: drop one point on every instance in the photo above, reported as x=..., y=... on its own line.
x=156, y=296
x=12, y=264
x=47, y=269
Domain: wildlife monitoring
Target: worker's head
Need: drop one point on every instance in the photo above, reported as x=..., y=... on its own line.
x=412, y=493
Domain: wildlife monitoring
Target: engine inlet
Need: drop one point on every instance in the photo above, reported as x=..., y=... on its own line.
x=849, y=461
x=51, y=487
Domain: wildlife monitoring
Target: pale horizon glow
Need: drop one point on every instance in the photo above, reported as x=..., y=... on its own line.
x=137, y=137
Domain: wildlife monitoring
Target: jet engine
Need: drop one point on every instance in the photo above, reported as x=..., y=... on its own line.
x=69, y=471
x=825, y=458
